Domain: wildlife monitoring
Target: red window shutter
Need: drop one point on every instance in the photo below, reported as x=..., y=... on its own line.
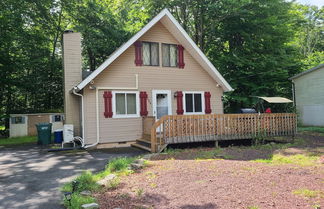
x=207, y=102
x=179, y=103
x=143, y=102
x=138, y=53
x=180, y=56
x=108, y=104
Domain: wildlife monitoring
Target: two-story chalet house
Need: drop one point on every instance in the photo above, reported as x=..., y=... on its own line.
x=159, y=71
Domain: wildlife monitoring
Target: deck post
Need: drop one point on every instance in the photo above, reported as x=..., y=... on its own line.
x=216, y=144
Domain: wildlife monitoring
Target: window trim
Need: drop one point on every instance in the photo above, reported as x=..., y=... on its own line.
x=168, y=44
x=115, y=115
x=158, y=53
x=52, y=118
x=24, y=118
x=193, y=100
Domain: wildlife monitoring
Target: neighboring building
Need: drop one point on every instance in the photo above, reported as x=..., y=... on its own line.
x=25, y=124
x=308, y=91
x=159, y=71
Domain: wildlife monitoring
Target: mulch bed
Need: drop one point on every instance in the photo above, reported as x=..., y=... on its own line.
x=205, y=184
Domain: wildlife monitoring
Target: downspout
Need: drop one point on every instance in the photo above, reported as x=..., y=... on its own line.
x=293, y=92
x=82, y=115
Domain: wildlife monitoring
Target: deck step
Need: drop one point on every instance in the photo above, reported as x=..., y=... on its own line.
x=146, y=137
x=144, y=141
x=141, y=147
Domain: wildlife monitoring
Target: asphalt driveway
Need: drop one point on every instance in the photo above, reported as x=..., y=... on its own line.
x=31, y=177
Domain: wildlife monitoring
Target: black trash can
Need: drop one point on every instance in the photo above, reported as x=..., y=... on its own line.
x=44, y=131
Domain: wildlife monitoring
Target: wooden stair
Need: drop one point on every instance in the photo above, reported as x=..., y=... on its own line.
x=143, y=143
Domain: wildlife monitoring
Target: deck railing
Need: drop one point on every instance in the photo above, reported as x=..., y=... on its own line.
x=171, y=129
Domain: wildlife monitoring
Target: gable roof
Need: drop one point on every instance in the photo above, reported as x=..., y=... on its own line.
x=307, y=71
x=180, y=34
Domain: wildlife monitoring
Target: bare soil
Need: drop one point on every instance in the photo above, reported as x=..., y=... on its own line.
x=188, y=183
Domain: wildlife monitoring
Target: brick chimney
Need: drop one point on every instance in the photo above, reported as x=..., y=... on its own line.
x=72, y=77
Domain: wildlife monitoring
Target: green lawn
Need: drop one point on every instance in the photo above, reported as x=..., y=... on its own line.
x=2, y=128
x=311, y=129
x=18, y=140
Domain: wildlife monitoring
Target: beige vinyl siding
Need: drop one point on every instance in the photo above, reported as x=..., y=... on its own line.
x=121, y=73
x=309, y=93
x=72, y=77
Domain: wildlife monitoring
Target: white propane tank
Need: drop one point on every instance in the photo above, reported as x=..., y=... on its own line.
x=68, y=132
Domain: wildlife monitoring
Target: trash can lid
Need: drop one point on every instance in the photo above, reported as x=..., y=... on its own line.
x=58, y=130
x=44, y=124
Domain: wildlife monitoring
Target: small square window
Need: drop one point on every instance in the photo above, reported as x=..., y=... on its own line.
x=57, y=118
x=193, y=102
x=169, y=55
x=126, y=104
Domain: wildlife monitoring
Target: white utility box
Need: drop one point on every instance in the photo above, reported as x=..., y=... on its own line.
x=68, y=133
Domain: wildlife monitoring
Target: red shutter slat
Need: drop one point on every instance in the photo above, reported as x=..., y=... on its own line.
x=179, y=103
x=108, y=104
x=207, y=102
x=180, y=56
x=138, y=53
x=143, y=102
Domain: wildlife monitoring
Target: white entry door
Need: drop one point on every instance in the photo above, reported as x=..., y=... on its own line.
x=161, y=103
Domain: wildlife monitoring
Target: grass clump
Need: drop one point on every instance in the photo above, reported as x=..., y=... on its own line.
x=119, y=164
x=77, y=200
x=308, y=193
x=253, y=207
x=18, y=140
x=139, y=192
x=88, y=181
x=299, y=159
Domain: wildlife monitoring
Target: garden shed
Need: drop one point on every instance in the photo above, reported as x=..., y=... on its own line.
x=308, y=91
x=24, y=124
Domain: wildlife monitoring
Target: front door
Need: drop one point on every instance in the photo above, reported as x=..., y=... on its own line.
x=161, y=103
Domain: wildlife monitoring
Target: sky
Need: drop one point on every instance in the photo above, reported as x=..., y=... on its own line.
x=318, y=3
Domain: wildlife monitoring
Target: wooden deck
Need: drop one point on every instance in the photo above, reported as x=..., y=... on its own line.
x=172, y=129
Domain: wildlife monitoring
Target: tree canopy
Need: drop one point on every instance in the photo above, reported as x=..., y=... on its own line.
x=256, y=44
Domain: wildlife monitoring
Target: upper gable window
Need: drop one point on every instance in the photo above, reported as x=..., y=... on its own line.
x=169, y=55
x=150, y=54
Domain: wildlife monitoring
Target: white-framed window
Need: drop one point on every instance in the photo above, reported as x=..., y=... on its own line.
x=150, y=54
x=57, y=118
x=169, y=55
x=18, y=120
x=125, y=104
x=193, y=102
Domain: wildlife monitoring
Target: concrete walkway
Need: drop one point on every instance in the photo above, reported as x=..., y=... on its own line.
x=31, y=177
